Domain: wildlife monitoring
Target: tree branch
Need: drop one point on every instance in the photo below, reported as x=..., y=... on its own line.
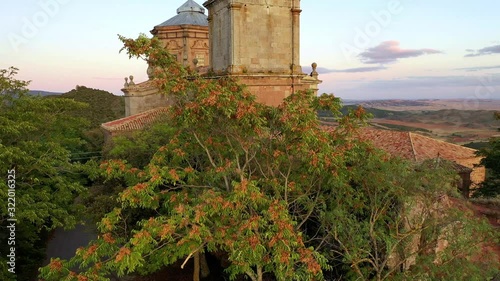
x=191, y=254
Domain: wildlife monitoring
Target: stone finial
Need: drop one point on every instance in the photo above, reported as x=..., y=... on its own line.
x=126, y=83
x=314, y=73
x=131, y=80
x=195, y=62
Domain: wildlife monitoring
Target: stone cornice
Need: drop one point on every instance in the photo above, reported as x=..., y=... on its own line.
x=208, y=3
x=234, y=6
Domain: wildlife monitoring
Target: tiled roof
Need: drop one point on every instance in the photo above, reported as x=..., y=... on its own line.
x=134, y=122
x=417, y=147
x=189, y=13
x=426, y=148
x=393, y=142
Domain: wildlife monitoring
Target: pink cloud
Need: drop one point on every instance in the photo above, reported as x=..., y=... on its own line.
x=390, y=51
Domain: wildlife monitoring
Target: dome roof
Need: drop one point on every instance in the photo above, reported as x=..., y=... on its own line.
x=189, y=13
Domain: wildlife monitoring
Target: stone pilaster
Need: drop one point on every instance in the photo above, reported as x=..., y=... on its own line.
x=296, y=39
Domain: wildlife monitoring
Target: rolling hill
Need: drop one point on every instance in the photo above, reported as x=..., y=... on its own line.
x=103, y=105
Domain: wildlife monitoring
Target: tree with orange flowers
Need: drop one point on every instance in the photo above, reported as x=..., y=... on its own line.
x=222, y=182
x=269, y=187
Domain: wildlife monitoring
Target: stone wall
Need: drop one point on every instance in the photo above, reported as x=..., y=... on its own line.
x=143, y=97
x=255, y=36
x=272, y=89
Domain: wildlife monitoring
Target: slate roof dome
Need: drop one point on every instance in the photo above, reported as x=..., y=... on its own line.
x=189, y=13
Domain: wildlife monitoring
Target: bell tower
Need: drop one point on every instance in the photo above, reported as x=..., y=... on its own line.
x=258, y=41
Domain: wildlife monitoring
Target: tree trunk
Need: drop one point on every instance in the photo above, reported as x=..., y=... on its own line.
x=196, y=271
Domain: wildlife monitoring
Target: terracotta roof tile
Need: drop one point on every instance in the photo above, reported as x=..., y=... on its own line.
x=134, y=122
x=417, y=147
x=393, y=142
x=426, y=148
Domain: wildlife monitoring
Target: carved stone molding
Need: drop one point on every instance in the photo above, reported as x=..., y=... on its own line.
x=200, y=44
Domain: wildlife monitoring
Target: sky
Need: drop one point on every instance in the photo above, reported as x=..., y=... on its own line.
x=365, y=49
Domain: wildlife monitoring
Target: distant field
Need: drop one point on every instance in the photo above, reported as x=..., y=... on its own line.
x=435, y=104
x=456, y=121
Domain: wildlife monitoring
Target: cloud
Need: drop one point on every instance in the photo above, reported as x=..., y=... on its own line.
x=390, y=51
x=322, y=70
x=484, y=51
x=477, y=68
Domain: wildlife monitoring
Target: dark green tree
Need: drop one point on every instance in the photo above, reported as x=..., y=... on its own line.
x=102, y=107
x=491, y=161
x=37, y=136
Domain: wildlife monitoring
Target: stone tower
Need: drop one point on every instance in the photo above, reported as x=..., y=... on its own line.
x=258, y=41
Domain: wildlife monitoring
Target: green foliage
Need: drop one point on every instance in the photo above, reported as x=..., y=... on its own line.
x=139, y=147
x=388, y=223
x=467, y=253
x=491, y=161
x=101, y=107
x=36, y=138
x=476, y=145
